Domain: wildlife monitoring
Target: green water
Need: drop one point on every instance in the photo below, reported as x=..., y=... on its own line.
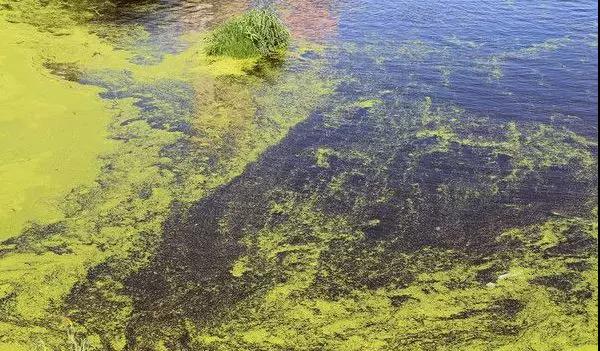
x=403, y=179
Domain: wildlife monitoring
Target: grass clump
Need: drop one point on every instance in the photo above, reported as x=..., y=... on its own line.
x=253, y=34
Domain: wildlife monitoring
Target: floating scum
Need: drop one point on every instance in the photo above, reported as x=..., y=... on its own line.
x=218, y=203
x=90, y=172
x=45, y=117
x=329, y=242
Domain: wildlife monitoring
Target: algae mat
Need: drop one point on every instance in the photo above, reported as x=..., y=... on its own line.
x=152, y=137
x=52, y=132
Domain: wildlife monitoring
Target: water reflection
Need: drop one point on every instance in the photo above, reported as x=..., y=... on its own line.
x=311, y=19
x=166, y=20
x=525, y=60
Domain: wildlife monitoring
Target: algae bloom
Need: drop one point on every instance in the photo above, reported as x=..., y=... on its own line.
x=189, y=175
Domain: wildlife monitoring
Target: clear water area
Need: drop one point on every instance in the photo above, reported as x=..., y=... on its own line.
x=442, y=196
x=517, y=60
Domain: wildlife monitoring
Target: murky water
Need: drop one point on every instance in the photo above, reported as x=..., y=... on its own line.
x=414, y=176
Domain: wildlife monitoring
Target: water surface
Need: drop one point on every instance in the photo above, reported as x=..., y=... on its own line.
x=413, y=176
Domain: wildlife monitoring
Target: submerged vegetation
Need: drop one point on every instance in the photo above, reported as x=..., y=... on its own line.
x=255, y=33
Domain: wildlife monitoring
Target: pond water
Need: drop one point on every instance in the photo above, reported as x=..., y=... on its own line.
x=503, y=59
x=412, y=176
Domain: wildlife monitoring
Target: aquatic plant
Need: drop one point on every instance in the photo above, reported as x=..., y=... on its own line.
x=255, y=33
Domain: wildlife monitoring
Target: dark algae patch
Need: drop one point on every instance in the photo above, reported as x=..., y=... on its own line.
x=298, y=176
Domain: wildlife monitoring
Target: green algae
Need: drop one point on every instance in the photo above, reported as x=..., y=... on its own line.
x=495, y=63
x=120, y=218
x=368, y=103
x=53, y=130
x=325, y=283
x=119, y=196
x=416, y=50
x=446, y=74
x=368, y=243
x=322, y=157
x=532, y=147
x=44, y=120
x=221, y=146
x=463, y=43
x=445, y=307
x=342, y=253
x=52, y=16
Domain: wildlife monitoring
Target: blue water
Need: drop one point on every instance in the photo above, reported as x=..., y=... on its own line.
x=524, y=60
x=505, y=59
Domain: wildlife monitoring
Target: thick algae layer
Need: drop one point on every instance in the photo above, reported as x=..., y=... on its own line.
x=52, y=129
x=386, y=226
x=71, y=268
